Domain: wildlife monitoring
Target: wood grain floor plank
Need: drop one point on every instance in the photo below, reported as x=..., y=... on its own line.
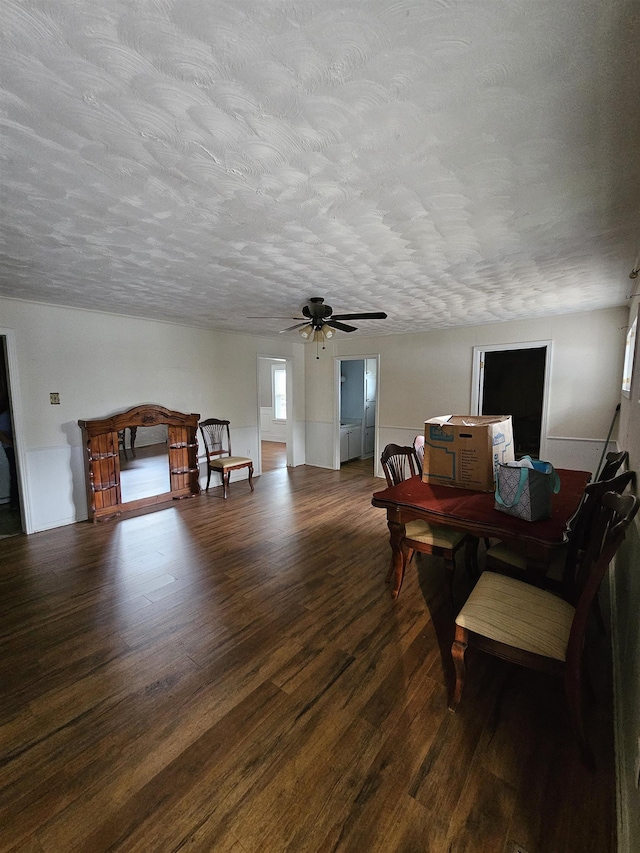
x=484, y=808
x=198, y=782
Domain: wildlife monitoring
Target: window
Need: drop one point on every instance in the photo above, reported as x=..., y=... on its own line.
x=629, y=353
x=279, y=377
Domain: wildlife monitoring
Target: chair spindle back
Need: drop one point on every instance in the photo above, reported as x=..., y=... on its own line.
x=399, y=463
x=216, y=437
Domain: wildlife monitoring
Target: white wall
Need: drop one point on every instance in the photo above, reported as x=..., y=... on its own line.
x=625, y=601
x=430, y=374
x=101, y=364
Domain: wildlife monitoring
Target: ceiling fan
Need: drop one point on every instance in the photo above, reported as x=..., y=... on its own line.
x=319, y=321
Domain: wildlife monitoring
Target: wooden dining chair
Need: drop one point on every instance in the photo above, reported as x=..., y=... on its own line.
x=535, y=628
x=121, y=442
x=399, y=463
x=217, y=444
x=613, y=463
x=507, y=558
x=418, y=446
x=122, y=445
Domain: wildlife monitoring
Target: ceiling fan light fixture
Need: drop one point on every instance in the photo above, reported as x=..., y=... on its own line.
x=320, y=324
x=327, y=331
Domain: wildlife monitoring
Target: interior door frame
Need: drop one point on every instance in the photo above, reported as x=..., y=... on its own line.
x=11, y=353
x=288, y=365
x=477, y=380
x=336, y=412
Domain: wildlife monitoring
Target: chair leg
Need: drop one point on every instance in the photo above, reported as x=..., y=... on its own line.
x=251, y=476
x=573, y=690
x=398, y=556
x=407, y=557
x=450, y=569
x=471, y=558
x=390, y=572
x=458, y=649
x=598, y=614
x=226, y=479
x=208, y=478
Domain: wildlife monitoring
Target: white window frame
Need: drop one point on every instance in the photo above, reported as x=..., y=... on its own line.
x=629, y=357
x=279, y=368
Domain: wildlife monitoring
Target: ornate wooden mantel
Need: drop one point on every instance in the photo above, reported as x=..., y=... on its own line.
x=102, y=459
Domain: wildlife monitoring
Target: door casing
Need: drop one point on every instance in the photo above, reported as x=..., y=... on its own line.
x=477, y=380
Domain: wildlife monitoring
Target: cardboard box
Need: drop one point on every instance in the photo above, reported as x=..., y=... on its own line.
x=464, y=450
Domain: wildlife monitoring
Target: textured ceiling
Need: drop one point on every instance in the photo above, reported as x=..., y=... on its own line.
x=196, y=161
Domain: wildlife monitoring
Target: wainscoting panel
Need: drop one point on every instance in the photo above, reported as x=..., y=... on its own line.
x=56, y=486
x=319, y=444
x=271, y=430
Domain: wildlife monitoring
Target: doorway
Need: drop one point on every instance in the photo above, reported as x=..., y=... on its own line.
x=275, y=412
x=10, y=521
x=357, y=407
x=512, y=379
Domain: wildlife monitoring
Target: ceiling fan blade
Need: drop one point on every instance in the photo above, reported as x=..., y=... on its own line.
x=297, y=326
x=270, y=317
x=373, y=315
x=342, y=326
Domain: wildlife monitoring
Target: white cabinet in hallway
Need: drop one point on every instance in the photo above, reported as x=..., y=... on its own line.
x=350, y=441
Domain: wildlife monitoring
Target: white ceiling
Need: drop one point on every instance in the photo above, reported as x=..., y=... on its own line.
x=447, y=161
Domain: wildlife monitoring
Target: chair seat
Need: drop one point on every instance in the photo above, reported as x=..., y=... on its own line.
x=230, y=462
x=517, y=614
x=432, y=534
x=510, y=557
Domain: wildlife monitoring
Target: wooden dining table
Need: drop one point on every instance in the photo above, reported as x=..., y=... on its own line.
x=475, y=514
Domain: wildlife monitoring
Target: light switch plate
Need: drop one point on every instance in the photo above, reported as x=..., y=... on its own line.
x=54, y=398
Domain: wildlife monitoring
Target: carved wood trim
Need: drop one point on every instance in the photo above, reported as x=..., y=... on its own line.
x=102, y=458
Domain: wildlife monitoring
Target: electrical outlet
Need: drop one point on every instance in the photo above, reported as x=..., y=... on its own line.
x=54, y=398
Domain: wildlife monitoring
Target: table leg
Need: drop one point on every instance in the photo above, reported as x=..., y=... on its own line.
x=471, y=557
x=398, y=555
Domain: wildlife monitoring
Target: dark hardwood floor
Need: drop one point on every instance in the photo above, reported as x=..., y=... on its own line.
x=233, y=676
x=274, y=455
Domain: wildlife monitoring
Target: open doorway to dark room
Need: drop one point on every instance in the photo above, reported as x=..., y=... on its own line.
x=10, y=522
x=514, y=385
